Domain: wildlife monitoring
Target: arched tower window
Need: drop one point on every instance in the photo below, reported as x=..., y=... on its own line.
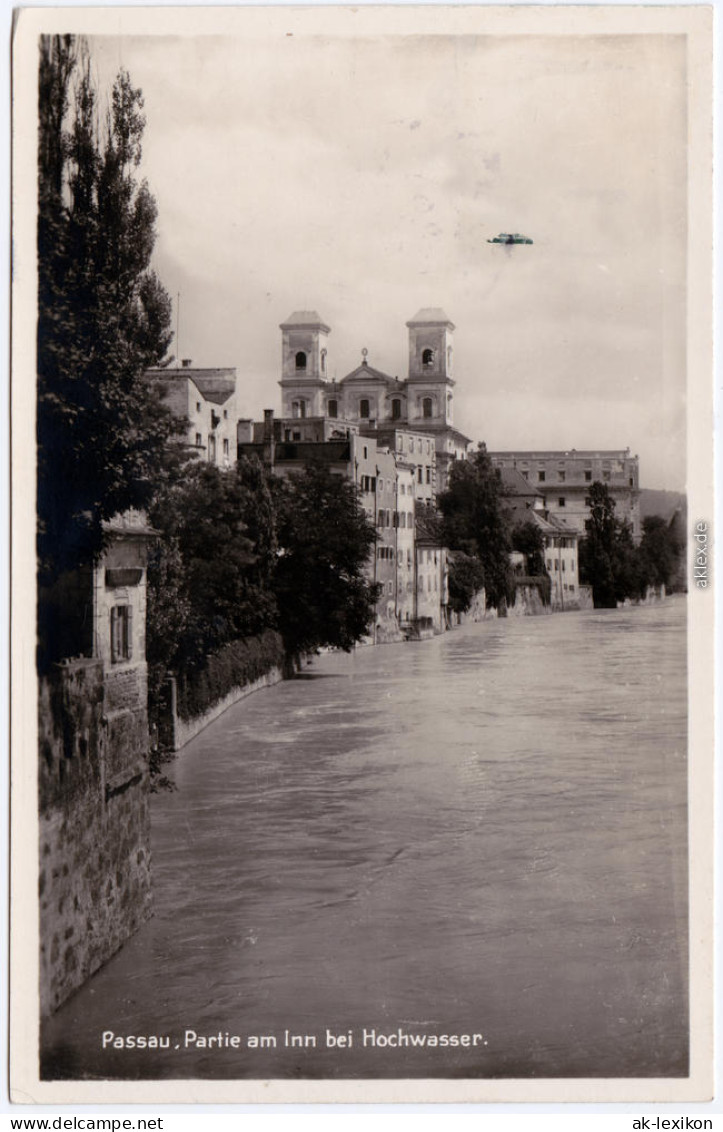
x=301, y=360
x=295, y=408
x=302, y=408
x=449, y=359
x=364, y=408
x=333, y=408
x=396, y=409
x=427, y=358
x=427, y=407
x=323, y=363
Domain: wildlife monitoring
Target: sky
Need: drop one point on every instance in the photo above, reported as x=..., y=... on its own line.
x=362, y=176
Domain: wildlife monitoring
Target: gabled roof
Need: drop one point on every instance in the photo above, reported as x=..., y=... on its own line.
x=364, y=372
x=431, y=316
x=514, y=483
x=309, y=319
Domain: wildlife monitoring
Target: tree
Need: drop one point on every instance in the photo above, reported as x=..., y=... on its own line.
x=466, y=577
x=608, y=560
x=210, y=580
x=324, y=538
x=528, y=539
x=474, y=521
x=103, y=316
x=659, y=551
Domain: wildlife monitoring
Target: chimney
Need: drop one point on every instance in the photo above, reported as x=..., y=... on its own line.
x=269, y=456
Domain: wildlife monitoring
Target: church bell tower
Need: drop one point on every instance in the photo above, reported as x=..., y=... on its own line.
x=304, y=364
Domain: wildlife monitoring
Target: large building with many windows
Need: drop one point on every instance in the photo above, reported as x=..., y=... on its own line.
x=564, y=478
x=421, y=405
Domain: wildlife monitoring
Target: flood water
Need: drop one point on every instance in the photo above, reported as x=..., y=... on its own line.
x=479, y=834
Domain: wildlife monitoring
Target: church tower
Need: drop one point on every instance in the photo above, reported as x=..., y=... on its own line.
x=304, y=364
x=430, y=380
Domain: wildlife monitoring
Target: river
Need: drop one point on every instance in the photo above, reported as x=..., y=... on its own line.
x=482, y=834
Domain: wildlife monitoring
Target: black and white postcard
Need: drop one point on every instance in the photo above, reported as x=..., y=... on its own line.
x=362, y=670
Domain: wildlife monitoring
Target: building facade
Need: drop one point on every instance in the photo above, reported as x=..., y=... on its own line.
x=423, y=403
x=565, y=479
x=206, y=399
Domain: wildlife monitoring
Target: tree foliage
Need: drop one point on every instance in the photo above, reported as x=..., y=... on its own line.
x=475, y=522
x=608, y=560
x=210, y=578
x=660, y=552
x=466, y=577
x=103, y=316
x=528, y=539
x=324, y=597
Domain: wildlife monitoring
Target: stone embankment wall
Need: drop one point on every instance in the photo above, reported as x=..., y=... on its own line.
x=95, y=880
x=174, y=732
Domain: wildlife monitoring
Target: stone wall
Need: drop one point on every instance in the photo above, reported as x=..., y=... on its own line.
x=174, y=732
x=95, y=883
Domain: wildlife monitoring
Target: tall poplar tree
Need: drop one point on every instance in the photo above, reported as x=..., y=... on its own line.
x=103, y=316
x=474, y=521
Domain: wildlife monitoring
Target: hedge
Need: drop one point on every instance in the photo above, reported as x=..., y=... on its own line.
x=233, y=666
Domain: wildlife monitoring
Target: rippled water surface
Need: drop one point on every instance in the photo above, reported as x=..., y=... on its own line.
x=484, y=833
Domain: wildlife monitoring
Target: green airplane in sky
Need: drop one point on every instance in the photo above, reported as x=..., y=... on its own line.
x=510, y=238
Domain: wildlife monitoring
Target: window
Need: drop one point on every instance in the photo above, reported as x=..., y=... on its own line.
x=333, y=408
x=323, y=361
x=302, y=408
x=390, y=589
x=606, y=476
x=588, y=477
x=427, y=407
x=540, y=477
x=427, y=358
x=121, y=633
x=402, y=518
x=296, y=436
x=525, y=475
x=364, y=408
x=402, y=489
x=301, y=360
x=212, y=449
x=366, y=452
x=396, y=409
x=225, y=448
x=561, y=501
x=560, y=477
x=563, y=565
x=630, y=482
x=449, y=361
x=380, y=519
x=429, y=475
x=225, y=414
x=419, y=474
x=549, y=563
x=199, y=440
x=198, y=406
x=411, y=444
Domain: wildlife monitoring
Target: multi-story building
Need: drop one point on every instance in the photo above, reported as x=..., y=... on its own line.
x=206, y=400
x=527, y=503
x=431, y=596
x=421, y=404
x=565, y=479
